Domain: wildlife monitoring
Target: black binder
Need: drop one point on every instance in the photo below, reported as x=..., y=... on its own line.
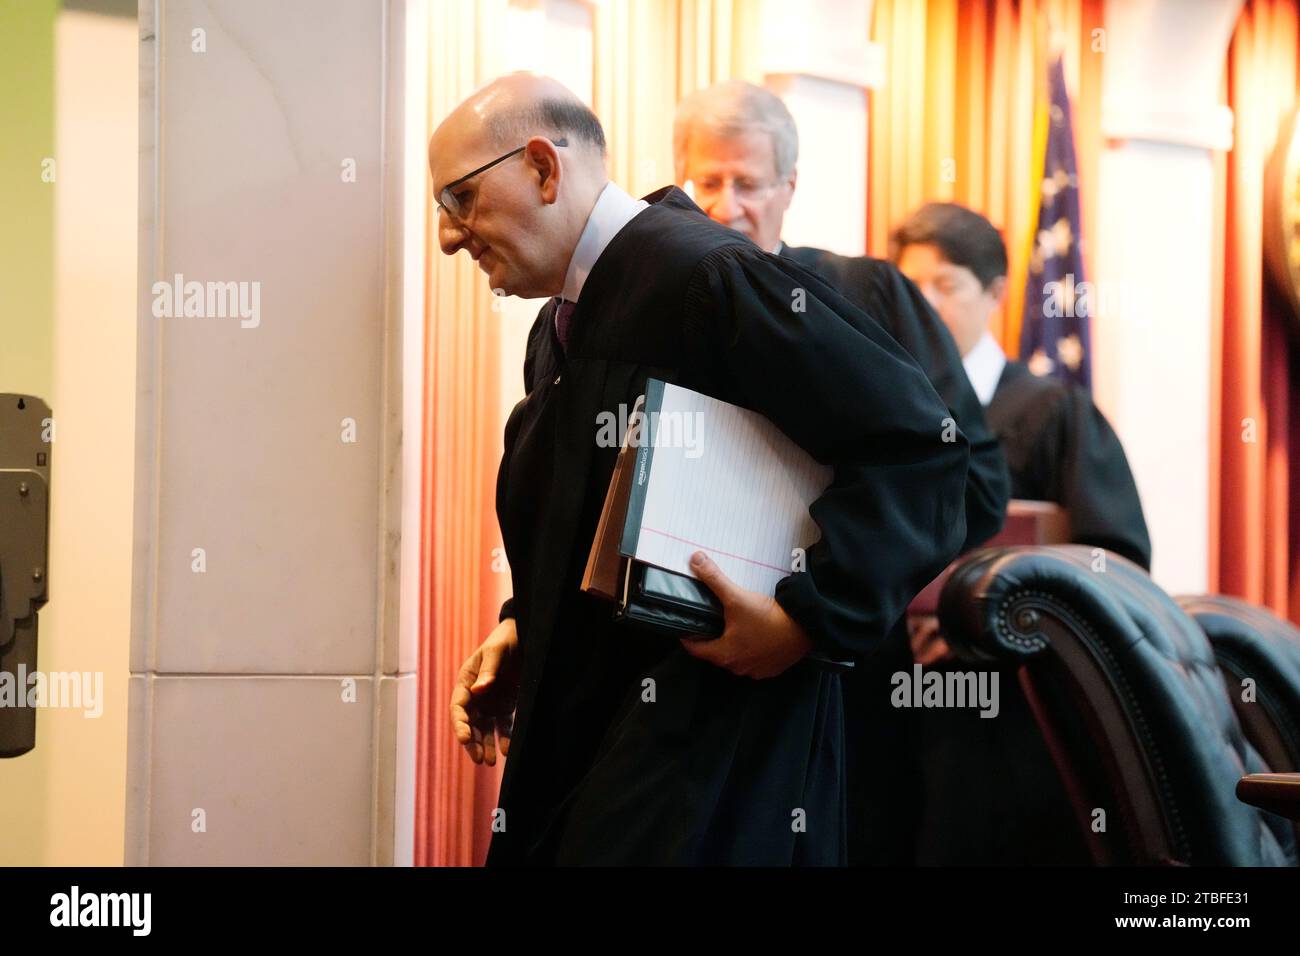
x=648, y=598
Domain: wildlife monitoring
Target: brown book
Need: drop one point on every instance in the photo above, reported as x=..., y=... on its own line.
x=605, y=573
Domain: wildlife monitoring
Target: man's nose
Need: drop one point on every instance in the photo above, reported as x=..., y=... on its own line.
x=726, y=208
x=451, y=235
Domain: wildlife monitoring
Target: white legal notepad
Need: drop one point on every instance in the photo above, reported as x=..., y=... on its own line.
x=716, y=478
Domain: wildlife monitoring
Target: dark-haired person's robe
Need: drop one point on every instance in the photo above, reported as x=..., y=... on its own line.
x=993, y=795
x=717, y=768
x=893, y=300
x=884, y=824
x=1060, y=448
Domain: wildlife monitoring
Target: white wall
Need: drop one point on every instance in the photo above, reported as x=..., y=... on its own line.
x=267, y=680
x=829, y=209
x=1160, y=113
x=817, y=57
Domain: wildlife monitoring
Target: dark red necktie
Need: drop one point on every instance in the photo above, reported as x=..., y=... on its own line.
x=563, y=320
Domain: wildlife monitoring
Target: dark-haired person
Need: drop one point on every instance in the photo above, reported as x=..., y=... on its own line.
x=1058, y=444
x=625, y=747
x=992, y=793
x=737, y=145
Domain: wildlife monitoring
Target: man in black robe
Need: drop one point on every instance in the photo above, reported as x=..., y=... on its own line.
x=736, y=145
x=992, y=793
x=635, y=749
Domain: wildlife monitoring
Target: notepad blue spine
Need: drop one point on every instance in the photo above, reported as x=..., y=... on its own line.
x=654, y=401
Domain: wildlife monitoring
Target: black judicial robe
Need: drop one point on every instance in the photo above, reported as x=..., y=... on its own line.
x=1060, y=448
x=992, y=793
x=882, y=292
x=884, y=821
x=717, y=768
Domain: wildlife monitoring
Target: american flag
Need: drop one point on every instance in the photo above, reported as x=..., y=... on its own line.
x=1054, y=336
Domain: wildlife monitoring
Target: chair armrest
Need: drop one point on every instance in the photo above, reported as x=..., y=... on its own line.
x=1275, y=792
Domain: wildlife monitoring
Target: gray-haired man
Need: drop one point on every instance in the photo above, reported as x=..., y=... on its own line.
x=737, y=145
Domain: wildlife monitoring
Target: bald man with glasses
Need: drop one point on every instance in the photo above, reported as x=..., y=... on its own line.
x=736, y=754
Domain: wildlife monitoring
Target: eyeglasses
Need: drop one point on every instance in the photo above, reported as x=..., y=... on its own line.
x=457, y=209
x=708, y=189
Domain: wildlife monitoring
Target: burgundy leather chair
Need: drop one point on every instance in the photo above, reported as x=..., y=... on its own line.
x=1128, y=694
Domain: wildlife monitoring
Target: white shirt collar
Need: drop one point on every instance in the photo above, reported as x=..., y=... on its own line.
x=614, y=209
x=984, y=364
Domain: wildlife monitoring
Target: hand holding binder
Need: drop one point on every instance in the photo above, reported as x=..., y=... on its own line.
x=759, y=640
x=698, y=474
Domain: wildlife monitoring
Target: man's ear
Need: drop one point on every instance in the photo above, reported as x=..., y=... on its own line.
x=794, y=181
x=544, y=160
x=998, y=291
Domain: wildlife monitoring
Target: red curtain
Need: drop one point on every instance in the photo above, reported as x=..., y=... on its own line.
x=461, y=587
x=1255, y=509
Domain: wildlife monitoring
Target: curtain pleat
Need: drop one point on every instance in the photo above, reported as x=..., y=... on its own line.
x=460, y=594
x=1255, y=525
x=954, y=120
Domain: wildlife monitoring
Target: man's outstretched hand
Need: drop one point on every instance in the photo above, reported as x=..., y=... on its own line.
x=758, y=640
x=483, y=700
